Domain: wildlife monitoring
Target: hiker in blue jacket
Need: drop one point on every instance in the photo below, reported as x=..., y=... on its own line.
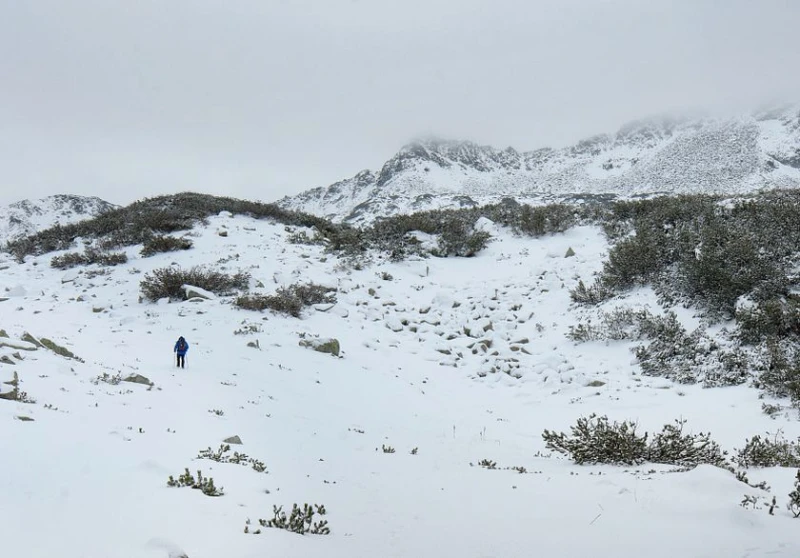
x=181, y=346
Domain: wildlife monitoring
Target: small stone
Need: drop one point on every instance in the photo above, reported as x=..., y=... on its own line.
x=570, y=253
x=236, y=440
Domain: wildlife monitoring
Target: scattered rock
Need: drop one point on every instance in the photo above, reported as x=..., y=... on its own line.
x=596, y=383
x=222, y=233
x=57, y=349
x=70, y=276
x=233, y=440
x=570, y=252
x=31, y=339
x=23, y=345
x=3, y=333
x=23, y=418
x=394, y=324
x=138, y=379
x=254, y=344
x=14, y=382
x=5, y=359
x=330, y=346
x=97, y=309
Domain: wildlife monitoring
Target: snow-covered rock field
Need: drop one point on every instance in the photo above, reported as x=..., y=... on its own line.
x=447, y=361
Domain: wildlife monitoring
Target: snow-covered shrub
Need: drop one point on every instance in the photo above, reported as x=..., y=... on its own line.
x=135, y=223
x=673, y=447
x=793, y=505
x=728, y=262
x=289, y=300
x=596, y=440
x=458, y=238
x=548, y=219
x=221, y=456
x=160, y=244
x=204, y=485
x=300, y=520
x=90, y=256
x=780, y=371
x=593, y=295
x=670, y=351
x=769, y=452
x=168, y=282
x=771, y=318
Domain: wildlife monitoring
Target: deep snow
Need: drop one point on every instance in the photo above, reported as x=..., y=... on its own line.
x=87, y=478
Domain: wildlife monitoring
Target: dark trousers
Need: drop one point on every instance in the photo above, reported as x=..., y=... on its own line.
x=181, y=360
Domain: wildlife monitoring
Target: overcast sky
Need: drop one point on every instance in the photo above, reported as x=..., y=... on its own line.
x=132, y=98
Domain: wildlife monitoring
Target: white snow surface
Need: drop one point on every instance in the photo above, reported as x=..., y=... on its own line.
x=87, y=478
x=659, y=155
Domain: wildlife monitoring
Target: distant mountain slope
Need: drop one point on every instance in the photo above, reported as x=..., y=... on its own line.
x=29, y=216
x=676, y=155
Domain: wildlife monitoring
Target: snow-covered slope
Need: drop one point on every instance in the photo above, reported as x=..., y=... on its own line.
x=29, y=216
x=462, y=359
x=758, y=151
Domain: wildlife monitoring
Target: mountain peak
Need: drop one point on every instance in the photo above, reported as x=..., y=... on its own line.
x=665, y=153
x=27, y=217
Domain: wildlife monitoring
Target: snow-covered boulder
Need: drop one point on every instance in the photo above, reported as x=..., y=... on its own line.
x=196, y=292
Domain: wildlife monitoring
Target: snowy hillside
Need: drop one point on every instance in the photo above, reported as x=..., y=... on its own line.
x=650, y=156
x=29, y=216
x=446, y=361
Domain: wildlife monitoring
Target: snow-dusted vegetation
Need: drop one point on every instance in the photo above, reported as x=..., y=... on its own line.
x=591, y=380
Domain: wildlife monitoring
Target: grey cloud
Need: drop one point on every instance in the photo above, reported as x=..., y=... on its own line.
x=264, y=98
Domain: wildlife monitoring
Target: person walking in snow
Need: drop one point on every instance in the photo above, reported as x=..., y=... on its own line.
x=181, y=346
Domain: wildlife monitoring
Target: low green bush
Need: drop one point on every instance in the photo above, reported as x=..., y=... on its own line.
x=289, y=300
x=160, y=244
x=168, y=282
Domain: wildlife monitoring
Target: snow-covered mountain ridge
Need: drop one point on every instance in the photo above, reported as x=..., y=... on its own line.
x=660, y=155
x=27, y=217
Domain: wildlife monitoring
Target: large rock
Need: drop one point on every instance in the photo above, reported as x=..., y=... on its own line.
x=233, y=440
x=330, y=345
x=23, y=345
x=138, y=379
x=57, y=349
x=31, y=339
x=196, y=292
